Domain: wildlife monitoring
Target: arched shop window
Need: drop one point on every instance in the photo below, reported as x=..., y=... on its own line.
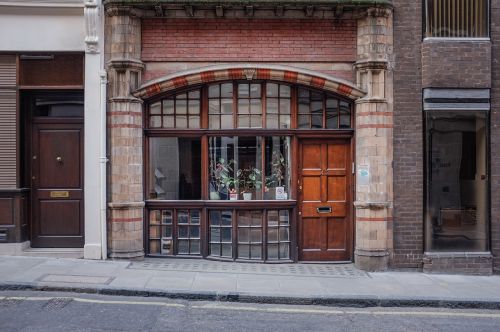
x=219, y=166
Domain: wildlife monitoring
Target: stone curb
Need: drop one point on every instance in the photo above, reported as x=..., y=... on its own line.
x=340, y=301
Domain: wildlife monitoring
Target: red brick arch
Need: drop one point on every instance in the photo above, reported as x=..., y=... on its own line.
x=249, y=72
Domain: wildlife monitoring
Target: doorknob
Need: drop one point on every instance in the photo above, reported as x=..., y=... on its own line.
x=59, y=160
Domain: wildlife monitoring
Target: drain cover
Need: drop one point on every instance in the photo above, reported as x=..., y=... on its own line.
x=56, y=304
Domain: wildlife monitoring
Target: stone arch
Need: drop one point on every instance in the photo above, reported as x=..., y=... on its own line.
x=249, y=72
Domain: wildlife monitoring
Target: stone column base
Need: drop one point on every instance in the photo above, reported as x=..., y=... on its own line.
x=125, y=230
x=371, y=260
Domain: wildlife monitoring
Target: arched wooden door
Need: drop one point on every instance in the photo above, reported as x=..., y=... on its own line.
x=325, y=218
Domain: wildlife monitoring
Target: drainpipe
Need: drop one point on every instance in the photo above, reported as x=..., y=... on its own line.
x=103, y=165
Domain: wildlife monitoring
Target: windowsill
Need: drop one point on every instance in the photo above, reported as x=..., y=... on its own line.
x=456, y=39
x=457, y=254
x=216, y=203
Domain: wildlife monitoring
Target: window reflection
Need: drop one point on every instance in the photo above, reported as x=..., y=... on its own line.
x=457, y=185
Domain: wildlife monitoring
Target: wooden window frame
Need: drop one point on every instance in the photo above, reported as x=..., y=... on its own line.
x=205, y=204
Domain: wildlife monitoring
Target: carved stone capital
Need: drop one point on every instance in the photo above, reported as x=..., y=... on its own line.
x=91, y=13
x=373, y=12
x=126, y=64
x=123, y=11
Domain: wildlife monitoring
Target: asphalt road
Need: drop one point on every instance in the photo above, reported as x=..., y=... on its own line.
x=48, y=311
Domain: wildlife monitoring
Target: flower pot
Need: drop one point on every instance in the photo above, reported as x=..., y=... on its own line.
x=247, y=196
x=233, y=196
x=214, y=195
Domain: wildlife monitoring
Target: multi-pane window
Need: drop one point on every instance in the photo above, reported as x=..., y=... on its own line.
x=178, y=111
x=221, y=237
x=174, y=231
x=250, y=234
x=220, y=106
x=278, y=234
x=278, y=101
x=457, y=18
x=249, y=105
x=317, y=110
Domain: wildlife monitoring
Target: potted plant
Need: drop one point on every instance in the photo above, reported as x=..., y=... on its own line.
x=249, y=179
x=278, y=172
x=221, y=180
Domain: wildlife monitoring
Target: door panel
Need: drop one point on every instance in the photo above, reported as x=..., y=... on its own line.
x=325, y=224
x=57, y=184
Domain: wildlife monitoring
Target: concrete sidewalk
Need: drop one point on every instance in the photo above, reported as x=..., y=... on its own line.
x=328, y=284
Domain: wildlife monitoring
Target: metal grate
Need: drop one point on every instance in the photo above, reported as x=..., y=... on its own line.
x=304, y=270
x=56, y=303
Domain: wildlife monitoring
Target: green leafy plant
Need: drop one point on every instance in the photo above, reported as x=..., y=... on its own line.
x=278, y=170
x=249, y=179
x=220, y=174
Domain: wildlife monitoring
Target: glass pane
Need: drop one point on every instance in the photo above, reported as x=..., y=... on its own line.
x=194, y=232
x=243, y=235
x=303, y=93
x=194, y=122
x=183, y=232
x=272, y=218
x=166, y=217
x=244, y=121
x=194, y=94
x=227, y=217
x=244, y=251
x=213, y=106
x=227, y=90
x=154, y=247
x=255, y=106
x=168, y=121
x=226, y=234
x=285, y=91
x=183, y=246
x=244, y=218
x=317, y=120
x=285, y=107
x=256, y=121
x=284, y=217
x=457, y=176
x=155, y=108
x=213, y=91
x=154, y=231
x=256, y=252
x=227, y=122
x=277, y=172
x=256, y=218
x=155, y=121
x=284, y=251
x=167, y=231
x=345, y=115
x=272, y=89
x=154, y=217
x=255, y=91
x=243, y=106
x=304, y=121
x=182, y=217
x=194, y=107
x=272, y=106
x=215, y=234
x=227, y=106
x=195, y=217
x=213, y=122
x=304, y=106
x=168, y=106
x=272, y=251
x=175, y=168
x=256, y=235
x=180, y=106
x=181, y=121
x=332, y=120
x=284, y=234
x=62, y=104
x=272, y=121
x=214, y=218
x=194, y=247
x=215, y=249
x=243, y=90
x=272, y=234
x=227, y=250
x=284, y=121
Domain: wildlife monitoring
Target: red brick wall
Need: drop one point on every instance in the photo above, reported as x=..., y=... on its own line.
x=248, y=40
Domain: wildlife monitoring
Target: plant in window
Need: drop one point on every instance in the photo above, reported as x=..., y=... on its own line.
x=249, y=179
x=221, y=180
x=278, y=172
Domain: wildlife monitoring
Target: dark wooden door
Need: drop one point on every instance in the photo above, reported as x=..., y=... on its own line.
x=57, y=184
x=325, y=224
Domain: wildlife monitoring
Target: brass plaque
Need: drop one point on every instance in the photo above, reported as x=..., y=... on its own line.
x=59, y=194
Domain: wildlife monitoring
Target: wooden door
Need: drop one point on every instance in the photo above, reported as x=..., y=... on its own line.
x=57, y=184
x=325, y=225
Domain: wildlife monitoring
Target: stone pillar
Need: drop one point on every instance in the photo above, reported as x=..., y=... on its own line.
x=125, y=139
x=374, y=137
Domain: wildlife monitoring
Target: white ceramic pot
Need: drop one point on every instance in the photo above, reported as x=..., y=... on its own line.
x=214, y=195
x=247, y=196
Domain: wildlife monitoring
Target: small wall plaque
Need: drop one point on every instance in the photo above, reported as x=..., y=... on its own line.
x=59, y=194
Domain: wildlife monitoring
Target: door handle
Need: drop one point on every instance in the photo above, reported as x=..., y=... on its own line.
x=324, y=209
x=59, y=160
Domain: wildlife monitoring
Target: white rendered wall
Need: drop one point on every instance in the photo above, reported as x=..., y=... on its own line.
x=37, y=30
